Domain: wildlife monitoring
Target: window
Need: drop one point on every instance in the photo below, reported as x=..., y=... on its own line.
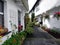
x=37, y=8
x=1, y=13
x=1, y=6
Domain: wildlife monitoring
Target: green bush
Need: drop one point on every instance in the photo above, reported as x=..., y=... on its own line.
x=31, y=24
x=15, y=39
x=29, y=28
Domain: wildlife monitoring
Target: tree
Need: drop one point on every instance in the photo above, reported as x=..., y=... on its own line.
x=27, y=19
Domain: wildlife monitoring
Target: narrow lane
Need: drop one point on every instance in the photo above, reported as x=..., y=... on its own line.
x=40, y=37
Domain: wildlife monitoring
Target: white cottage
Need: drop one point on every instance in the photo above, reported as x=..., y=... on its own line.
x=49, y=8
x=12, y=11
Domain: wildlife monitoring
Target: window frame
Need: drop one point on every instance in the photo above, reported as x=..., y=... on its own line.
x=2, y=12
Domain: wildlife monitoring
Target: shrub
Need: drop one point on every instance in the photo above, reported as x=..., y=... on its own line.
x=31, y=24
x=15, y=39
x=29, y=28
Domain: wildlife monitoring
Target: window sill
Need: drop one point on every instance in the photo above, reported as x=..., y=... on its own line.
x=4, y=38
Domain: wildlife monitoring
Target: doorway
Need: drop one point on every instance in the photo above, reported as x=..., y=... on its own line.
x=19, y=21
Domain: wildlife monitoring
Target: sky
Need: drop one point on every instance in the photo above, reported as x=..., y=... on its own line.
x=58, y=3
x=44, y=5
x=31, y=3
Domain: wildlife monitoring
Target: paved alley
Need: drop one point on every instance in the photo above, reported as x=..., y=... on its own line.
x=40, y=37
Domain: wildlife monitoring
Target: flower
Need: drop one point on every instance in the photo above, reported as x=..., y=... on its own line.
x=57, y=15
x=20, y=27
x=57, y=12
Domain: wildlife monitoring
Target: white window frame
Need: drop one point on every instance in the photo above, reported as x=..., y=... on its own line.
x=1, y=13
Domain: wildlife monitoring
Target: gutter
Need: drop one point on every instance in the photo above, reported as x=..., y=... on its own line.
x=24, y=5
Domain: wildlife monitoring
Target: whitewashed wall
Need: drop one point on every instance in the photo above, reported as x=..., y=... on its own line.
x=11, y=14
x=53, y=22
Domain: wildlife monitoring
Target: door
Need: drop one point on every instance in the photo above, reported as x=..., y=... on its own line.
x=19, y=21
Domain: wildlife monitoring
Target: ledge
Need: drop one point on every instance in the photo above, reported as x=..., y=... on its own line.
x=4, y=38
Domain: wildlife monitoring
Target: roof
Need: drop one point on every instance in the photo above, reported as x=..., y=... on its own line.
x=23, y=3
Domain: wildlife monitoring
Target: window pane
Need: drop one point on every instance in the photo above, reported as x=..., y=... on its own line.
x=1, y=6
x=19, y=17
x=2, y=20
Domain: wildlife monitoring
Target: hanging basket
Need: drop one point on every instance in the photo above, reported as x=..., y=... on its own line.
x=57, y=15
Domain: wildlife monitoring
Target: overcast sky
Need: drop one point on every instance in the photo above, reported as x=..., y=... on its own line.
x=31, y=3
x=44, y=5
x=58, y=3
